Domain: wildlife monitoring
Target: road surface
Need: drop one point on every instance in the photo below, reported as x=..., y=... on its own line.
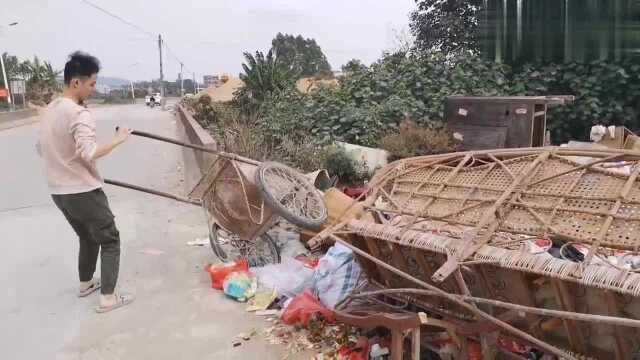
x=176, y=315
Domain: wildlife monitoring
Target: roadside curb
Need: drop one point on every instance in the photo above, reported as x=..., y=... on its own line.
x=196, y=163
x=13, y=119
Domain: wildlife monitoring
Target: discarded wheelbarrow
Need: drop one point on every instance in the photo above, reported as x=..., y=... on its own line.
x=243, y=199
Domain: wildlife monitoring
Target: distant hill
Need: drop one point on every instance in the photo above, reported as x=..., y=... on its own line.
x=112, y=82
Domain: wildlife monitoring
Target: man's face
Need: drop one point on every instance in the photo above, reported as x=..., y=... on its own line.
x=84, y=86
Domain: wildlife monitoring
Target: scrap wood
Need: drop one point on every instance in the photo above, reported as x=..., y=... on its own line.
x=456, y=299
x=610, y=320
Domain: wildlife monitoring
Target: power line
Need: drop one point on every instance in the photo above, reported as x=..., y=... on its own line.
x=118, y=18
x=129, y=23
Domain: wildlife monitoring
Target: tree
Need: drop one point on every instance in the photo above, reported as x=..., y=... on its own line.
x=303, y=57
x=353, y=65
x=263, y=76
x=447, y=26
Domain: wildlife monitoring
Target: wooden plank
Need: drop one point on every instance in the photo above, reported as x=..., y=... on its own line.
x=566, y=302
x=622, y=347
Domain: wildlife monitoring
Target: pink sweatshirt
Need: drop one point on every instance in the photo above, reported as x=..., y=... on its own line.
x=67, y=142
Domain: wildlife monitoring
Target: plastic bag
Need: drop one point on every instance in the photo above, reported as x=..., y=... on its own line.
x=303, y=307
x=289, y=278
x=219, y=272
x=336, y=276
x=240, y=285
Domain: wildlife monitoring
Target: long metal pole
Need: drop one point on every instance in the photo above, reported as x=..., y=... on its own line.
x=154, y=192
x=195, y=84
x=4, y=77
x=133, y=94
x=161, y=73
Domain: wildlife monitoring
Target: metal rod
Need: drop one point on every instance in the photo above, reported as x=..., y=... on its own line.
x=195, y=147
x=611, y=320
x=154, y=192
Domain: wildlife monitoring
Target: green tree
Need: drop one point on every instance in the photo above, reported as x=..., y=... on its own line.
x=303, y=57
x=11, y=65
x=263, y=76
x=353, y=65
x=447, y=26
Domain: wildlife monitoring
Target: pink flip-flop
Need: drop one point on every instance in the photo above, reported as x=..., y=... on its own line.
x=122, y=300
x=95, y=285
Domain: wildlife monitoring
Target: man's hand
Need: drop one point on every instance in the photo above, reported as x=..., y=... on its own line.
x=122, y=135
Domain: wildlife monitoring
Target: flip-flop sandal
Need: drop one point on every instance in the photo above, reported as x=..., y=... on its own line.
x=95, y=285
x=122, y=301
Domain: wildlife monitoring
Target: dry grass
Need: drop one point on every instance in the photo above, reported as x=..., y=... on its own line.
x=412, y=141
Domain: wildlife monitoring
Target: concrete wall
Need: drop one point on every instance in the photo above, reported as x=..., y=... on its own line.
x=196, y=162
x=17, y=115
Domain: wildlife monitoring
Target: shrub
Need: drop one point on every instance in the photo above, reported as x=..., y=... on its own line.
x=412, y=140
x=338, y=163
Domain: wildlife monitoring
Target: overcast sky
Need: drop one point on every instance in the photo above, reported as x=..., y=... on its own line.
x=208, y=36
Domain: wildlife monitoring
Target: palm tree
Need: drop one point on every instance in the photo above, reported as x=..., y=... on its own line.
x=263, y=76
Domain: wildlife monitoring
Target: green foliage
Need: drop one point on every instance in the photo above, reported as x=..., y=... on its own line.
x=39, y=75
x=606, y=93
x=263, y=76
x=446, y=26
x=338, y=163
x=303, y=57
x=371, y=101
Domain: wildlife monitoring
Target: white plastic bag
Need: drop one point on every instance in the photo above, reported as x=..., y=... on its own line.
x=336, y=276
x=289, y=278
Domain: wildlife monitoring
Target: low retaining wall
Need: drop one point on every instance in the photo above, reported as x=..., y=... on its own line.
x=17, y=115
x=196, y=162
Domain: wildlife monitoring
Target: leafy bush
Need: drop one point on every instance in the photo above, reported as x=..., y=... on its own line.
x=337, y=162
x=418, y=141
x=606, y=93
x=371, y=101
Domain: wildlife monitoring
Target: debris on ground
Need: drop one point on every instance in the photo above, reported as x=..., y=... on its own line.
x=219, y=272
x=289, y=278
x=153, y=252
x=262, y=300
x=199, y=242
x=240, y=285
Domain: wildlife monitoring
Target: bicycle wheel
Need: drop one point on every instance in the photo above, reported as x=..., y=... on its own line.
x=291, y=195
x=229, y=247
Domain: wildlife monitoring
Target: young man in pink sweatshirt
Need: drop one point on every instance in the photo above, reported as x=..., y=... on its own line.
x=68, y=147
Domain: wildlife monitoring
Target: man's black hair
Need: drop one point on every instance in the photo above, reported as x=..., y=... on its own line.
x=80, y=64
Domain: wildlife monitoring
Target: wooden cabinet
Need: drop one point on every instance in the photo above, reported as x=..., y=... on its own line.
x=500, y=122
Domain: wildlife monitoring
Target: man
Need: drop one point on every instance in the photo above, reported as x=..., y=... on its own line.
x=68, y=147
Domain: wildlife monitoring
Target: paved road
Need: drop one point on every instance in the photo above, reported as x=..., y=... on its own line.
x=176, y=316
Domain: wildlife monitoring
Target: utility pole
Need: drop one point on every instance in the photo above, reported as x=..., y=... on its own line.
x=4, y=76
x=181, y=81
x=6, y=84
x=161, y=73
x=195, y=84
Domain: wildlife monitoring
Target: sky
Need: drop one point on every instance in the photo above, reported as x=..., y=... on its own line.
x=209, y=37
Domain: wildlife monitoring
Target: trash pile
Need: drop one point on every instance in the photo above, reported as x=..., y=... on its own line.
x=297, y=297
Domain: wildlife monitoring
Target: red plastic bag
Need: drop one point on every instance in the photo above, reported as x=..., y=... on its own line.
x=220, y=272
x=359, y=351
x=303, y=307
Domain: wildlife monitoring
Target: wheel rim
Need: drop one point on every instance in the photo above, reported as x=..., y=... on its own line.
x=293, y=192
x=227, y=246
